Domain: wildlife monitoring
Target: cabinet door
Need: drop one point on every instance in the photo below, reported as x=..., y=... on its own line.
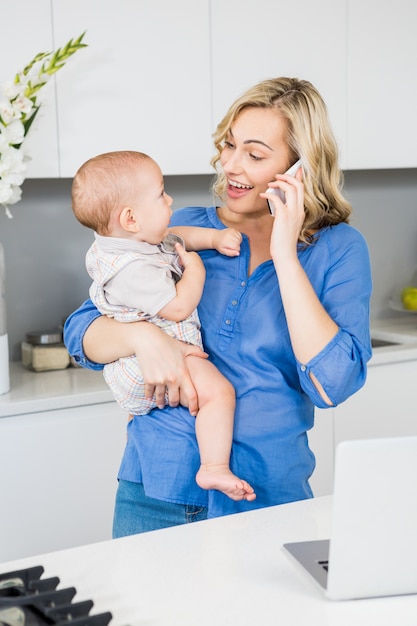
x=382, y=79
x=58, y=472
x=142, y=84
x=252, y=41
x=320, y=438
x=18, y=46
x=384, y=407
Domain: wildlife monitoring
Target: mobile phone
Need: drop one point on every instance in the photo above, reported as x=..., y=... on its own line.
x=278, y=192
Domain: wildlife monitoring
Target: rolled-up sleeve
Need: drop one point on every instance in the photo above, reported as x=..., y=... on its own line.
x=340, y=368
x=74, y=331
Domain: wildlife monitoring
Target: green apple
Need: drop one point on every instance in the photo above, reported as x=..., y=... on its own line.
x=409, y=298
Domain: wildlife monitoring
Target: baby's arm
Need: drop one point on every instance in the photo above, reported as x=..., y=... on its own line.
x=189, y=287
x=226, y=241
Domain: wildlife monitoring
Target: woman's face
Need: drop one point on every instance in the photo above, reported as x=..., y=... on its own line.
x=255, y=149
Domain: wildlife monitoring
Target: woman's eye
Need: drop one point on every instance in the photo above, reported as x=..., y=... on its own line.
x=227, y=144
x=255, y=158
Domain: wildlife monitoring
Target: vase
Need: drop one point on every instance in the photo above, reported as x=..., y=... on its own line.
x=4, y=342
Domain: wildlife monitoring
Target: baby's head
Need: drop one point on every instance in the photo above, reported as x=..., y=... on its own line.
x=121, y=194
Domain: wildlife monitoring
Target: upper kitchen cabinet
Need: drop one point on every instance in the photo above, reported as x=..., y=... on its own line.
x=382, y=84
x=142, y=84
x=18, y=46
x=358, y=53
x=252, y=41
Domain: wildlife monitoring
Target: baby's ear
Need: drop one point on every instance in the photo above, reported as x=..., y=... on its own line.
x=128, y=220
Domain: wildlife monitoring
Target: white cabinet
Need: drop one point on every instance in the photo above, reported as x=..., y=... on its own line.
x=142, y=84
x=382, y=84
x=359, y=54
x=18, y=46
x=58, y=477
x=252, y=41
x=384, y=407
x=321, y=440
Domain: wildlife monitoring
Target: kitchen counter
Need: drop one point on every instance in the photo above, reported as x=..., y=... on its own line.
x=402, y=332
x=32, y=392
x=226, y=571
x=402, y=328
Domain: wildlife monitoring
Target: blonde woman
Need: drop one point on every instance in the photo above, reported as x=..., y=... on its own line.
x=286, y=321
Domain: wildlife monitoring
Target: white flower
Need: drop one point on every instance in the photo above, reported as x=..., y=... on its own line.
x=19, y=105
x=9, y=194
x=12, y=134
x=6, y=111
x=12, y=166
x=22, y=106
x=12, y=90
x=5, y=192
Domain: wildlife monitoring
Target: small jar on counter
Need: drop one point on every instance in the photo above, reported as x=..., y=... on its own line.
x=44, y=351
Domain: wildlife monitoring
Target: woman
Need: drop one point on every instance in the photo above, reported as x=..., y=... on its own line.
x=287, y=321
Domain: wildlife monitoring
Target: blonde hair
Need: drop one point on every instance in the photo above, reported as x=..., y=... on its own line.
x=309, y=137
x=103, y=185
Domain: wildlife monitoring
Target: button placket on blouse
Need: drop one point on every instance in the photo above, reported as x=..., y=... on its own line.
x=232, y=309
x=232, y=312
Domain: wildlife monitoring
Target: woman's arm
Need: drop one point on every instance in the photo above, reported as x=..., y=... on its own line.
x=95, y=340
x=161, y=357
x=328, y=334
x=310, y=326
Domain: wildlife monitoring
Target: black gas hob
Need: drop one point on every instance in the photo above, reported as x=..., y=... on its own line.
x=28, y=600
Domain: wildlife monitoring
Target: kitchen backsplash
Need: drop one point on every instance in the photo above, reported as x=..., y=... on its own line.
x=45, y=246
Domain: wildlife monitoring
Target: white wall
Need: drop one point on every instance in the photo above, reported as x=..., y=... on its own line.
x=45, y=245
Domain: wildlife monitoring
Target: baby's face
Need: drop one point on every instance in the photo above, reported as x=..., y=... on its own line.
x=153, y=203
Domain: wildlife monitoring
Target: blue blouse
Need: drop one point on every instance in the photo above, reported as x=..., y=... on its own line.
x=246, y=336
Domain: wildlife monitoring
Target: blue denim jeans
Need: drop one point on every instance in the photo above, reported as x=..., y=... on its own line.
x=137, y=513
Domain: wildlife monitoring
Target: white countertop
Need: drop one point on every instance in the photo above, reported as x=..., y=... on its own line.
x=32, y=392
x=228, y=571
x=401, y=329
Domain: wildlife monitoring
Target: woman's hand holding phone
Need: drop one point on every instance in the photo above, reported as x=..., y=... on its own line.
x=288, y=215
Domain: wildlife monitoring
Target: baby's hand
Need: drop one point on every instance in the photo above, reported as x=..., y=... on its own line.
x=227, y=241
x=189, y=259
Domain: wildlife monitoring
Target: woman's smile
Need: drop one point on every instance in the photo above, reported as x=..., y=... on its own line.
x=236, y=189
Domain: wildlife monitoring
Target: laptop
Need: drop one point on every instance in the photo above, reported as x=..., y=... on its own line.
x=373, y=547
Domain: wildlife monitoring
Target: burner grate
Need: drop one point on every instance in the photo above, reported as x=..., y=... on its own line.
x=28, y=600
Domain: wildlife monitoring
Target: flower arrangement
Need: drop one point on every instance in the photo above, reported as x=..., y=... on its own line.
x=19, y=105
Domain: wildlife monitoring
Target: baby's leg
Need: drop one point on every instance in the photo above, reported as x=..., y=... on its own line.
x=214, y=430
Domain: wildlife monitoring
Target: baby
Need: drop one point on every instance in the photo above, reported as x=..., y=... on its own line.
x=142, y=271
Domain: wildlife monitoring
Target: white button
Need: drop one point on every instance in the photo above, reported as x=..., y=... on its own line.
x=243, y=283
x=228, y=322
x=303, y=368
x=234, y=302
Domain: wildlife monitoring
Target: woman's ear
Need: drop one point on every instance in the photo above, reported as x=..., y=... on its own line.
x=128, y=220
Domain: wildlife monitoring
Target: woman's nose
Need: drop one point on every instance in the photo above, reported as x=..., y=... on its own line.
x=232, y=162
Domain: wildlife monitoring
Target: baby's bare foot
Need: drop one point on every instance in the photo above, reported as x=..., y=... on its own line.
x=220, y=477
